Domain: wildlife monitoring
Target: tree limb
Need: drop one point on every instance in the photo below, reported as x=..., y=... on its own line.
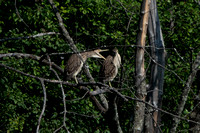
x=166, y=112
x=28, y=37
x=98, y=83
x=34, y=57
x=74, y=48
x=185, y=93
x=64, y=101
x=44, y=105
x=17, y=12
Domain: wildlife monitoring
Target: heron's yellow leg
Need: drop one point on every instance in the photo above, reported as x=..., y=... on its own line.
x=110, y=84
x=76, y=80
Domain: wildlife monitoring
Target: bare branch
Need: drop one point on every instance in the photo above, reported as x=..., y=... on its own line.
x=17, y=12
x=186, y=92
x=28, y=37
x=166, y=112
x=54, y=81
x=38, y=78
x=34, y=57
x=98, y=83
x=63, y=94
x=64, y=103
x=58, y=129
x=44, y=105
x=74, y=48
x=125, y=10
x=77, y=99
x=99, y=91
x=64, y=30
x=69, y=84
x=83, y=115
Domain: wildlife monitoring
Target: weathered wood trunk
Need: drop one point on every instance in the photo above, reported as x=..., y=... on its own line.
x=139, y=113
x=157, y=68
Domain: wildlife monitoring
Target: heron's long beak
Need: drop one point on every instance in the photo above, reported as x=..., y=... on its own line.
x=102, y=50
x=101, y=56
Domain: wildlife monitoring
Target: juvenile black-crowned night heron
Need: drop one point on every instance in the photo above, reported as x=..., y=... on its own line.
x=110, y=66
x=76, y=61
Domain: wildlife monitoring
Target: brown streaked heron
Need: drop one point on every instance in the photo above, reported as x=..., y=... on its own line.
x=110, y=66
x=76, y=61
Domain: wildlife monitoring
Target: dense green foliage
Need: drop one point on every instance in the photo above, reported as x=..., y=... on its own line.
x=92, y=24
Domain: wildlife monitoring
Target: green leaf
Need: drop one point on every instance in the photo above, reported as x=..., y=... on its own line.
x=44, y=49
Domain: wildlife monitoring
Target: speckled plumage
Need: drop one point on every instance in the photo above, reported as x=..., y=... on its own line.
x=110, y=66
x=73, y=66
x=76, y=61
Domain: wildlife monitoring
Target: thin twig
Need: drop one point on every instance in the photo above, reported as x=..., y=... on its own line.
x=166, y=112
x=64, y=103
x=64, y=30
x=54, y=81
x=83, y=115
x=34, y=57
x=77, y=99
x=185, y=93
x=148, y=111
x=44, y=105
x=18, y=14
x=58, y=129
x=63, y=94
x=28, y=37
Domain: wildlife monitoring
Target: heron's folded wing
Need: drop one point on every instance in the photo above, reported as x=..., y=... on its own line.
x=73, y=64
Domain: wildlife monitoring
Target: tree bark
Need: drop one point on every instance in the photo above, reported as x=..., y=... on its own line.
x=157, y=68
x=140, y=70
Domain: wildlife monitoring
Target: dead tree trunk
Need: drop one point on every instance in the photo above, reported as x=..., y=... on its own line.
x=140, y=70
x=157, y=68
